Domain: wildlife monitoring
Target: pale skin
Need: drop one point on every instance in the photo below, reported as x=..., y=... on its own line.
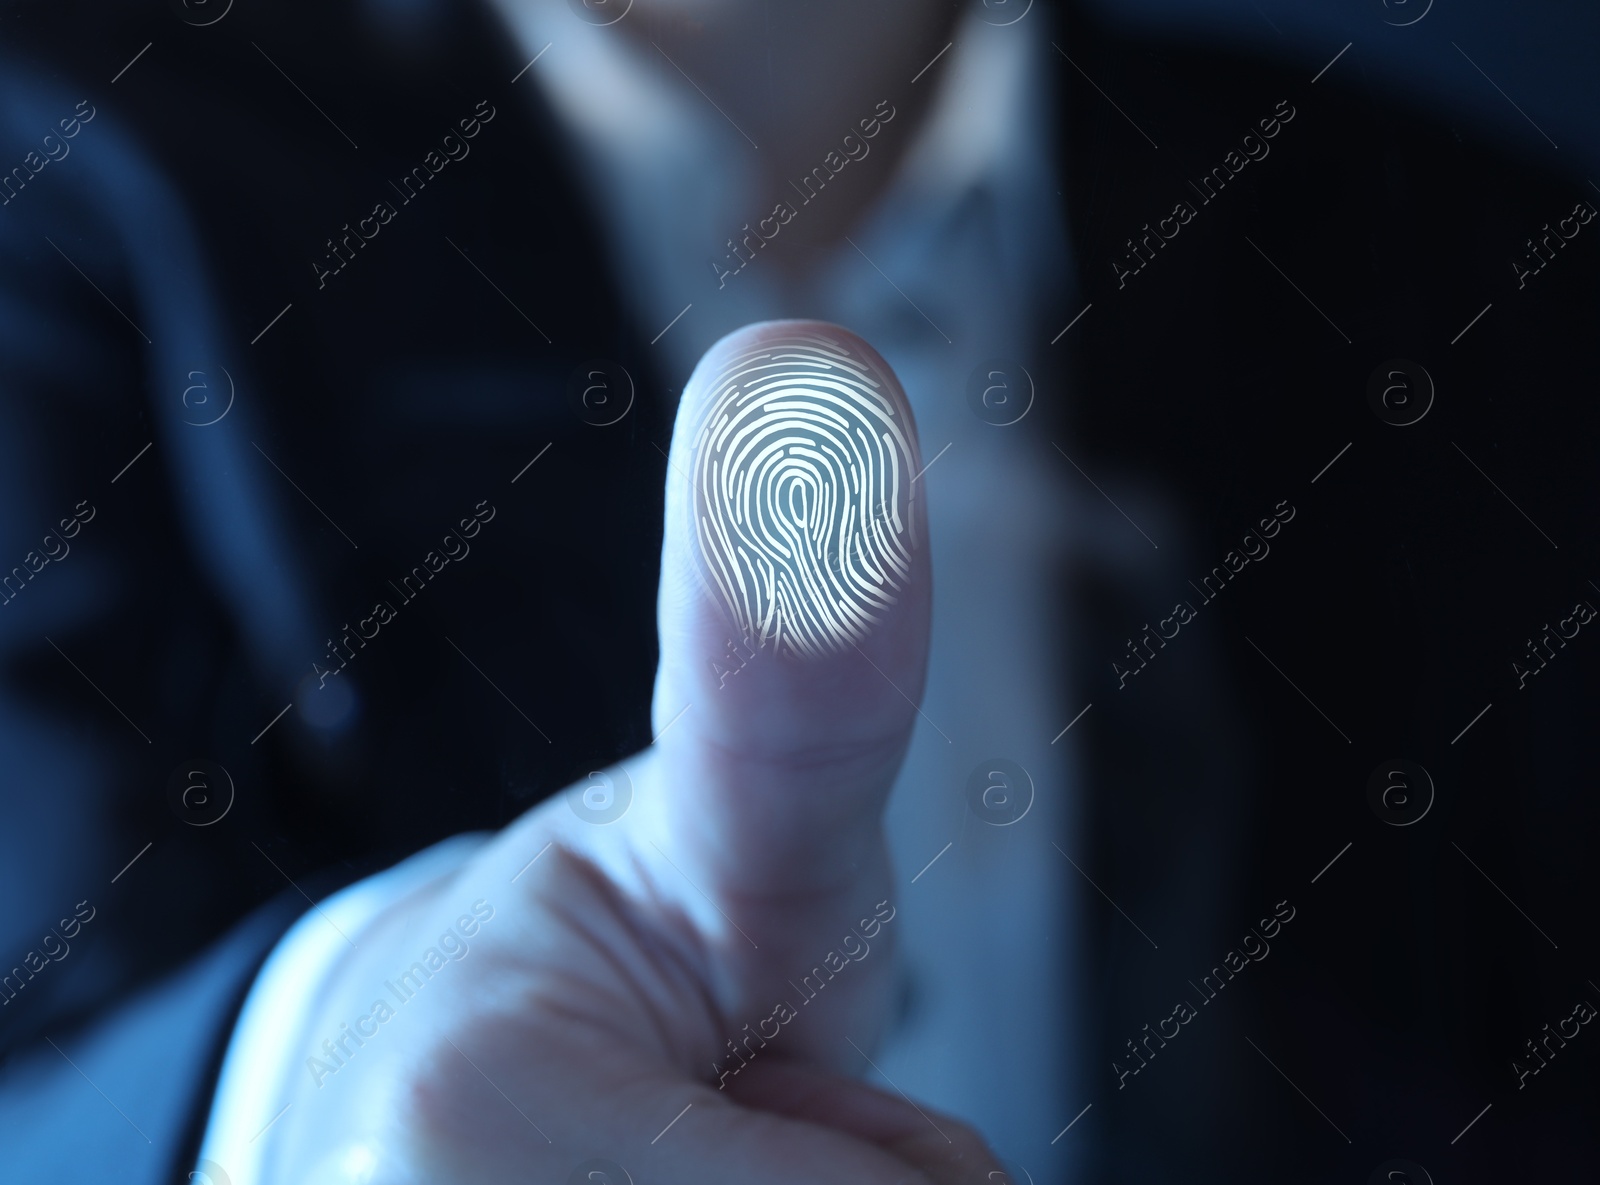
x=800, y=73
x=593, y=1008
x=795, y=75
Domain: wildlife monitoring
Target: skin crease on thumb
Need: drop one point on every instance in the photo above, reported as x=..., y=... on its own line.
x=794, y=618
x=795, y=539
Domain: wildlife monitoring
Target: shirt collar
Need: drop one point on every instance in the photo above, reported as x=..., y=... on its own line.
x=674, y=185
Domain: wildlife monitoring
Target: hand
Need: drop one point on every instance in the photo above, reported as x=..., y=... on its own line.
x=620, y=996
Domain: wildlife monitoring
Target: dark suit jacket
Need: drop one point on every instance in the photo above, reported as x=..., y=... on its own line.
x=346, y=228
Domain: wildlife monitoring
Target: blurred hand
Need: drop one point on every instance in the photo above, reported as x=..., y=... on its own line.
x=597, y=1008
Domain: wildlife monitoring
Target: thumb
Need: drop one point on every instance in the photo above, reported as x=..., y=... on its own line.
x=794, y=610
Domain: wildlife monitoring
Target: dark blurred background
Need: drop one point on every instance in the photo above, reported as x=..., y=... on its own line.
x=1232, y=377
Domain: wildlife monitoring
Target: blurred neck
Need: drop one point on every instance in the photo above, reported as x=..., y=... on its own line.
x=781, y=84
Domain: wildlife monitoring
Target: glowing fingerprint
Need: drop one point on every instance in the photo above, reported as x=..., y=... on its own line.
x=802, y=495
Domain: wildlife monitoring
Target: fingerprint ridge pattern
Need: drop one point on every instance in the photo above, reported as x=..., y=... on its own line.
x=802, y=495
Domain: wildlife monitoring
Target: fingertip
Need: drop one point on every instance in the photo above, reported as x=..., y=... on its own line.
x=794, y=606
x=793, y=508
